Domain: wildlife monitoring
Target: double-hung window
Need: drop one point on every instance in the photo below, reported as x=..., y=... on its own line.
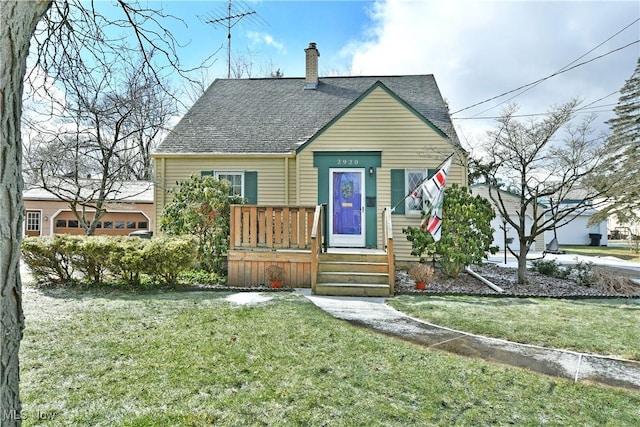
x=243, y=183
x=235, y=178
x=33, y=221
x=413, y=178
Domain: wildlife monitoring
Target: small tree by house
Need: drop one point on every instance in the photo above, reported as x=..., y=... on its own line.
x=201, y=207
x=466, y=232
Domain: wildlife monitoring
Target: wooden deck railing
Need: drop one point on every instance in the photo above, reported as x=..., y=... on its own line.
x=316, y=245
x=271, y=227
x=387, y=236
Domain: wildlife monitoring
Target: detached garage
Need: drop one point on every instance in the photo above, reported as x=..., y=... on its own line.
x=133, y=210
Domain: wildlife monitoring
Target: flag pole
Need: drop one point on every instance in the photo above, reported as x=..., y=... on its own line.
x=420, y=183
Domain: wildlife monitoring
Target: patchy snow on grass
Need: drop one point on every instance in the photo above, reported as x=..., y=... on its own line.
x=247, y=298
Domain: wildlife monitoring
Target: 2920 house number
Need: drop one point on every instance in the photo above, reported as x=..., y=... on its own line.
x=347, y=162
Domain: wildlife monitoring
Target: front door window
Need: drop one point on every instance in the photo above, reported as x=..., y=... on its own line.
x=346, y=208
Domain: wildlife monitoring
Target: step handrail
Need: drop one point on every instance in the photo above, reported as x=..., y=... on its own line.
x=316, y=245
x=387, y=234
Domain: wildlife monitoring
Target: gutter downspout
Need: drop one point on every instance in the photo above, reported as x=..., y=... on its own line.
x=483, y=280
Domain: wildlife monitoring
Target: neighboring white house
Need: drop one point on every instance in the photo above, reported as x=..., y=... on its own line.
x=511, y=201
x=576, y=231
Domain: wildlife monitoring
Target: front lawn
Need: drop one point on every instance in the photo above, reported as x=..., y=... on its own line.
x=192, y=359
x=601, y=326
x=624, y=252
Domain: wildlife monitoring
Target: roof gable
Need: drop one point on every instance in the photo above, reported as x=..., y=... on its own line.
x=279, y=116
x=377, y=84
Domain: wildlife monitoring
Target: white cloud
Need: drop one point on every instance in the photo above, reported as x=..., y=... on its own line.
x=480, y=49
x=260, y=38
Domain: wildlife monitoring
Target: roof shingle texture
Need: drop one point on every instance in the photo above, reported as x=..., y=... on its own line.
x=278, y=115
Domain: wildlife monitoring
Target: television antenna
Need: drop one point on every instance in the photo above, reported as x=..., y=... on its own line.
x=228, y=17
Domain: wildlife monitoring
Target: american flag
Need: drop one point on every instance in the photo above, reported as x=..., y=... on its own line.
x=433, y=193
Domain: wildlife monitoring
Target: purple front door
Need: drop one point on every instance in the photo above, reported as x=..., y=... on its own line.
x=346, y=207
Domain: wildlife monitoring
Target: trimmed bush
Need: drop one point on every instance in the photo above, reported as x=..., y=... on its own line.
x=201, y=208
x=127, y=261
x=166, y=257
x=50, y=258
x=92, y=258
x=466, y=232
x=97, y=259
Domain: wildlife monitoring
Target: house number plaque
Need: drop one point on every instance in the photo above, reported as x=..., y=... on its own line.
x=347, y=162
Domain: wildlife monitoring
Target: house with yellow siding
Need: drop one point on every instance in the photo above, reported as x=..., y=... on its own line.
x=319, y=160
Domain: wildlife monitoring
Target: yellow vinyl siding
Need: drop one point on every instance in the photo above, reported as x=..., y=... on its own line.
x=377, y=123
x=293, y=182
x=271, y=175
x=380, y=123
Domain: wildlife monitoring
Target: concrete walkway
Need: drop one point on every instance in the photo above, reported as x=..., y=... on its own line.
x=375, y=314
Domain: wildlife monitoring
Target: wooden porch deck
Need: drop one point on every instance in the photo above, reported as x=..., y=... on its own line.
x=292, y=237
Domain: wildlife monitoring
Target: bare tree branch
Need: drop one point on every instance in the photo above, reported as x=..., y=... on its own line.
x=526, y=160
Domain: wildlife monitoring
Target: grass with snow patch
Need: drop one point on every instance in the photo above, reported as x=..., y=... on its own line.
x=600, y=326
x=625, y=253
x=195, y=359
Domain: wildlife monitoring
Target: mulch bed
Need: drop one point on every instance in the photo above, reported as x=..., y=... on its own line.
x=538, y=285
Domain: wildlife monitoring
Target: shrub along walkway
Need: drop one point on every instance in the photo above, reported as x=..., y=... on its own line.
x=375, y=314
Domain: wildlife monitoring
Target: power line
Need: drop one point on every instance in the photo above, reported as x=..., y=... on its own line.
x=547, y=77
x=589, y=107
x=598, y=100
x=560, y=70
x=530, y=115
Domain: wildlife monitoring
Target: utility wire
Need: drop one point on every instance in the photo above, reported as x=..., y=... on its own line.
x=547, y=77
x=599, y=99
x=527, y=115
x=589, y=106
x=557, y=72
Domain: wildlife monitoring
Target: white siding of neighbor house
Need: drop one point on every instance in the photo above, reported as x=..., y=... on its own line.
x=577, y=231
x=381, y=123
x=512, y=204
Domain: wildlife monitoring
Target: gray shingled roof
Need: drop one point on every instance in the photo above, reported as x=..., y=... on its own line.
x=123, y=191
x=278, y=115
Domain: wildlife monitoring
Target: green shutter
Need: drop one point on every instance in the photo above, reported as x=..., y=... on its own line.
x=206, y=173
x=431, y=172
x=397, y=190
x=251, y=187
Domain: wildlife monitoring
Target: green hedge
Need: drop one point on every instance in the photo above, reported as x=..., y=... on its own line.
x=113, y=259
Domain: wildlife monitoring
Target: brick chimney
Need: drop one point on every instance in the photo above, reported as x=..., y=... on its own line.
x=311, y=78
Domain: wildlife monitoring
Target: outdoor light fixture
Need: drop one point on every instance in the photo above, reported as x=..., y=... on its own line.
x=371, y=170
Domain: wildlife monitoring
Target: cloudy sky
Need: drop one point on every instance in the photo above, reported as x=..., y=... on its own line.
x=476, y=49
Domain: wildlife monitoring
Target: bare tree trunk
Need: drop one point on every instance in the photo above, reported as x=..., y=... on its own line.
x=522, y=262
x=19, y=19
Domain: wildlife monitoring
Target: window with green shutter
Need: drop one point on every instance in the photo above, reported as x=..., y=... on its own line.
x=397, y=190
x=243, y=184
x=251, y=187
x=403, y=181
x=235, y=179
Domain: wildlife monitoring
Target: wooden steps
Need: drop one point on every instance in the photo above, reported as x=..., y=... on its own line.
x=353, y=274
